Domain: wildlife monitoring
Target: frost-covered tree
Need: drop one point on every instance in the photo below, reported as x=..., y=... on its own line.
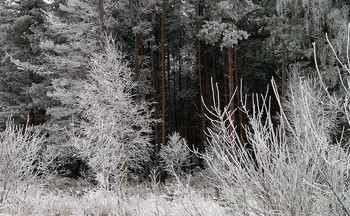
x=73, y=34
x=74, y=27
x=175, y=155
x=115, y=131
x=297, y=24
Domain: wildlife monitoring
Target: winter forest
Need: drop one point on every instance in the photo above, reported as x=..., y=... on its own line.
x=175, y=107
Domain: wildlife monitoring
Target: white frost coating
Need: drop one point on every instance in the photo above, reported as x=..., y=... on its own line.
x=22, y=160
x=223, y=16
x=292, y=169
x=115, y=133
x=175, y=154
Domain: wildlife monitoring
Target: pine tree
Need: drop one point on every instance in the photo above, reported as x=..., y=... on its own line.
x=22, y=88
x=75, y=29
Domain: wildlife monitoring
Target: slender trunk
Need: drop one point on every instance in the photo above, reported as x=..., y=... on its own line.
x=141, y=54
x=225, y=77
x=284, y=72
x=214, y=73
x=117, y=26
x=206, y=92
x=315, y=41
x=283, y=87
x=175, y=125
x=163, y=73
x=188, y=125
x=30, y=53
x=255, y=100
x=231, y=88
x=181, y=100
x=154, y=85
x=202, y=126
x=170, y=117
x=238, y=93
x=214, y=63
x=136, y=52
x=100, y=8
x=31, y=75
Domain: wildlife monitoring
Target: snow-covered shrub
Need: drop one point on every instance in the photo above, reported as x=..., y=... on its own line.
x=115, y=131
x=22, y=161
x=175, y=155
x=292, y=169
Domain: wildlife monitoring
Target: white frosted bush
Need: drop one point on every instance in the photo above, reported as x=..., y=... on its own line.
x=292, y=169
x=23, y=162
x=175, y=155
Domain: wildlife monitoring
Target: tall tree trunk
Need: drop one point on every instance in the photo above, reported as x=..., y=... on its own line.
x=188, y=125
x=202, y=126
x=284, y=68
x=118, y=27
x=214, y=92
x=163, y=73
x=174, y=114
x=181, y=100
x=170, y=116
x=231, y=88
x=154, y=85
x=31, y=75
x=283, y=87
x=206, y=92
x=225, y=77
x=238, y=93
x=136, y=52
x=100, y=9
x=141, y=54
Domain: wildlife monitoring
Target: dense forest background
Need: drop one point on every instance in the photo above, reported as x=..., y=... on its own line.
x=174, y=47
x=136, y=76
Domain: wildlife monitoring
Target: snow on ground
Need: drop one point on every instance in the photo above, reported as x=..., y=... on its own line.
x=141, y=200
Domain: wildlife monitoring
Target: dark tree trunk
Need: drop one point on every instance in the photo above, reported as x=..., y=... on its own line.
x=163, y=73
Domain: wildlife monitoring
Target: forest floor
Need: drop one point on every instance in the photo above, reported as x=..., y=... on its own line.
x=169, y=199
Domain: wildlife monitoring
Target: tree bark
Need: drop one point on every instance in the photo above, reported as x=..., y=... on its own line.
x=283, y=87
x=202, y=126
x=188, y=125
x=215, y=96
x=31, y=75
x=238, y=93
x=174, y=113
x=141, y=54
x=163, y=73
x=225, y=77
x=136, y=53
x=181, y=100
x=170, y=116
x=231, y=89
x=154, y=85
x=206, y=92
x=117, y=27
